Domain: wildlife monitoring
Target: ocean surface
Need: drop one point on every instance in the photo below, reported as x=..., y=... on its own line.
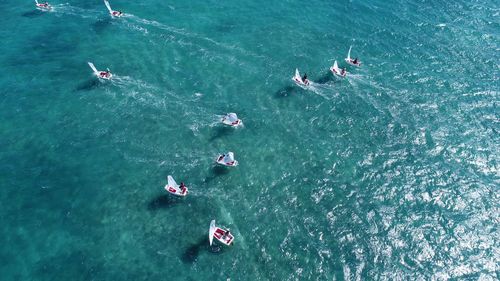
x=390, y=174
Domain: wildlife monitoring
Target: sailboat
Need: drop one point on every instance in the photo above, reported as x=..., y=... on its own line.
x=111, y=12
x=231, y=119
x=350, y=61
x=227, y=159
x=223, y=235
x=298, y=79
x=101, y=74
x=337, y=71
x=43, y=6
x=175, y=189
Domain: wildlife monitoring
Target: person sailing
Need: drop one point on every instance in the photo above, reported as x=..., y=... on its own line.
x=226, y=234
x=304, y=79
x=182, y=187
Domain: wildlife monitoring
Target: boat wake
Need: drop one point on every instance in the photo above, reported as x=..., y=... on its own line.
x=133, y=20
x=127, y=82
x=67, y=9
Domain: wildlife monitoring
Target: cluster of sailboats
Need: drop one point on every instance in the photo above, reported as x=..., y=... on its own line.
x=224, y=159
x=231, y=119
x=335, y=69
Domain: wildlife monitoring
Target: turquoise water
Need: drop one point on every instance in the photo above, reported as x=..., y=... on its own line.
x=390, y=174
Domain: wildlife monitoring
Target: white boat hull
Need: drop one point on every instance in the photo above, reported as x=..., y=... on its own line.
x=43, y=8
x=232, y=124
x=176, y=192
x=224, y=239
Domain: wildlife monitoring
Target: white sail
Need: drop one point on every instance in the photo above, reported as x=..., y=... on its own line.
x=36, y=1
x=232, y=117
x=349, y=53
x=93, y=68
x=229, y=157
x=172, y=183
x=211, y=232
x=297, y=74
x=108, y=6
x=335, y=66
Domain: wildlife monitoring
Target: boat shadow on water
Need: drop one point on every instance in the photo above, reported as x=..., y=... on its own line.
x=32, y=14
x=327, y=77
x=217, y=171
x=286, y=91
x=191, y=254
x=163, y=201
x=88, y=85
x=100, y=25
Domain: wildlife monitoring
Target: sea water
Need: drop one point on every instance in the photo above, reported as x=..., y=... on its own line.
x=389, y=174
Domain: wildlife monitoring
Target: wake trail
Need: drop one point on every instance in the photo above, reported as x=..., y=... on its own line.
x=67, y=9
x=191, y=35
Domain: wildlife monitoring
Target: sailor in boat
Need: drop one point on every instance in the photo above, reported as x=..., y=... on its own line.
x=221, y=157
x=182, y=187
x=43, y=5
x=105, y=74
x=226, y=234
x=343, y=72
x=355, y=61
x=304, y=79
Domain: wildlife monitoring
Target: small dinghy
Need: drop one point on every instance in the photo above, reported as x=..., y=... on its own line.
x=175, y=189
x=111, y=12
x=227, y=159
x=223, y=235
x=231, y=119
x=350, y=61
x=298, y=79
x=337, y=71
x=43, y=6
x=101, y=74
